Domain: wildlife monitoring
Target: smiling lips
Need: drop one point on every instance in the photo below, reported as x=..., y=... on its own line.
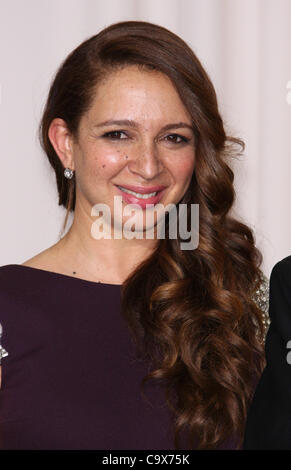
x=138, y=194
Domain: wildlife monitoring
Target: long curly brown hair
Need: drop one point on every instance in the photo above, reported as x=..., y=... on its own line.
x=190, y=312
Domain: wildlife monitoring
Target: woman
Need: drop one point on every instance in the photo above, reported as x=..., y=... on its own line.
x=269, y=418
x=192, y=324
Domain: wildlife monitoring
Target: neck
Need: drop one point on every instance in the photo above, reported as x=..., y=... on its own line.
x=106, y=260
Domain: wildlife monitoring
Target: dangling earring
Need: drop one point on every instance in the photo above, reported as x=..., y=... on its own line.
x=68, y=173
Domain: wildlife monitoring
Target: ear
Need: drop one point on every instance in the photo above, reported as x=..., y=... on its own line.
x=61, y=140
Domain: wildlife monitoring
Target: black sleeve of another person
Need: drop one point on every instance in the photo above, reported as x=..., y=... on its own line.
x=269, y=419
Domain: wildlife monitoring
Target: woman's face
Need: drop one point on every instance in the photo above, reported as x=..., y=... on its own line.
x=142, y=154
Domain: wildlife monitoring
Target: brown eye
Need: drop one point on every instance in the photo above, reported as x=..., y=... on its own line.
x=110, y=135
x=183, y=139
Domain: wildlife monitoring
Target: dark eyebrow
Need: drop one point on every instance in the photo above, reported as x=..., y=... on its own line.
x=130, y=123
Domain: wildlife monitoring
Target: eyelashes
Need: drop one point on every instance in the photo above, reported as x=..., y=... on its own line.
x=109, y=135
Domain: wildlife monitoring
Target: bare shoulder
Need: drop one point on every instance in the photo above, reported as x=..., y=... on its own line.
x=36, y=261
x=47, y=259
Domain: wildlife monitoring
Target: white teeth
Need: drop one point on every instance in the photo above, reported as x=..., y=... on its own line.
x=142, y=196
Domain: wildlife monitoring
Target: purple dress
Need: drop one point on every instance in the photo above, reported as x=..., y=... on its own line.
x=70, y=379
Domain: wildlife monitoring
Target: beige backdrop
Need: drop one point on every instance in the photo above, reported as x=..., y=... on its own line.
x=245, y=45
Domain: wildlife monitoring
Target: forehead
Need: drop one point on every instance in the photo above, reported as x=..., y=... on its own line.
x=137, y=92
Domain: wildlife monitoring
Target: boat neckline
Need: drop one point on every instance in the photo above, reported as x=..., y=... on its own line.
x=60, y=275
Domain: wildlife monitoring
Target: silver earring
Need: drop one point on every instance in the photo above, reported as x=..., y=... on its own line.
x=69, y=173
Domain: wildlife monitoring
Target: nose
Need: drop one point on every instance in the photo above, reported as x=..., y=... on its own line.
x=145, y=161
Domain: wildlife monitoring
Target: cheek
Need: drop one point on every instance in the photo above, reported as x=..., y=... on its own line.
x=104, y=164
x=182, y=168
